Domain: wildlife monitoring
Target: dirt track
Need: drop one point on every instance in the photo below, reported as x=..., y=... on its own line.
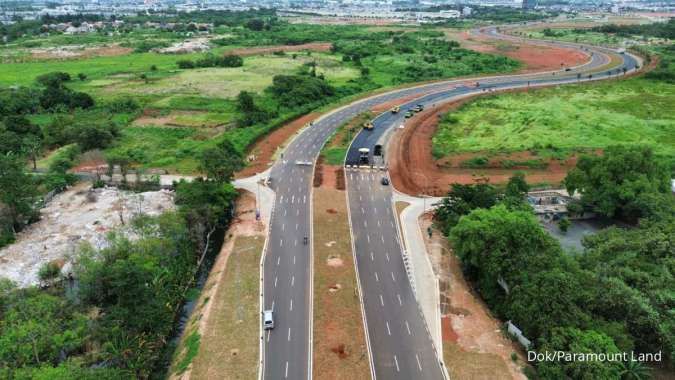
x=315, y=46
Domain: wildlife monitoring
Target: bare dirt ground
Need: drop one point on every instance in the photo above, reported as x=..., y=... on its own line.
x=534, y=57
x=75, y=217
x=78, y=51
x=226, y=315
x=262, y=154
x=315, y=46
x=339, y=339
x=473, y=343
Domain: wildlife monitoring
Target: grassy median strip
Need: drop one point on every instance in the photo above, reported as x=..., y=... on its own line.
x=339, y=342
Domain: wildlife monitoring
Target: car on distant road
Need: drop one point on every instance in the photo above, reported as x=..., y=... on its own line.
x=384, y=181
x=418, y=108
x=268, y=319
x=395, y=109
x=408, y=114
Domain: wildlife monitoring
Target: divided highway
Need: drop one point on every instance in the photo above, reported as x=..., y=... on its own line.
x=399, y=342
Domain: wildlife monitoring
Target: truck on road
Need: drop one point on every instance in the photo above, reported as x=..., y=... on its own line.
x=364, y=156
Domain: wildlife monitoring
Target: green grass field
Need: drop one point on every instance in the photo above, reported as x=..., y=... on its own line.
x=565, y=119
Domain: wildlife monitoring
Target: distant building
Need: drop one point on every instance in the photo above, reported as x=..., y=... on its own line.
x=466, y=11
x=529, y=4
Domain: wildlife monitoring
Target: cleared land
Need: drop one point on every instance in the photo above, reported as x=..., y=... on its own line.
x=339, y=340
x=221, y=337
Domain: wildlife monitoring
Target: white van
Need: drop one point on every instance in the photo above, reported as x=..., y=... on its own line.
x=268, y=320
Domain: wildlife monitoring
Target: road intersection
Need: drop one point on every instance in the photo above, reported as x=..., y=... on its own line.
x=400, y=345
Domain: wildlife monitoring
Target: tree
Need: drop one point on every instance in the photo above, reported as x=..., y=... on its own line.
x=255, y=24
x=17, y=190
x=251, y=113
x=499, y=243
x=82, y=76
x=461, y=200
x=206, y=206
x=573, y=340
x=620, y=182
x=33, y=148
x=564, y=224
x=634, y=370
x=222, y=161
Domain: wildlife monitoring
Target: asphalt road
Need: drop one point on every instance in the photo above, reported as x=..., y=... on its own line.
x=401, y=346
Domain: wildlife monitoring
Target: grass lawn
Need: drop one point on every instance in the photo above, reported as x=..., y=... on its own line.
x=255, y=75
x=559, y=121
x=339, y=339
x=335, y=150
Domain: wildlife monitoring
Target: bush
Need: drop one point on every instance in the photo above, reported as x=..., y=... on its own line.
x=123, y=105
x=185, y=64
x=475, y=162
x=49, y=271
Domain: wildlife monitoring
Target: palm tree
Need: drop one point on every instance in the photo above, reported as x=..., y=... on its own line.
x=634, y=370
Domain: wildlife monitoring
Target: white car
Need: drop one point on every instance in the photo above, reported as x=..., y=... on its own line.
x=268, y=319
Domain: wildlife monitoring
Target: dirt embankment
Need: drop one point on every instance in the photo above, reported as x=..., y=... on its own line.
x=534, y=57
x=474, y=346
x=262, y=154
x=245, y=52
x=414, y=170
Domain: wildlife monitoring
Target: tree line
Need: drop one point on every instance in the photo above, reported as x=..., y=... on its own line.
x=114, y=318
x=615, y=296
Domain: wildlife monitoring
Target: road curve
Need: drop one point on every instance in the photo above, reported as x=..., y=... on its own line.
x=399, y=344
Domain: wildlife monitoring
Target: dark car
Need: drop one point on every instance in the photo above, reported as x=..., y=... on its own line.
x=384, y=181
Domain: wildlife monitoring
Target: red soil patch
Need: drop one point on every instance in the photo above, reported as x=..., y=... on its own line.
x=330, y=176
x=535, y=57
x=449, y=335
x=315, y=46
x=263, y=150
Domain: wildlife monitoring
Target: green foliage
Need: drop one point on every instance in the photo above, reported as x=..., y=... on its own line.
x=617, y=295
x=656, y=29
x=564, y=224
x=38, y=328
x=192, y=348
x=298, y=90
x=17, y=194
x=461, y=200
x=49, y=271
x=138, y=286
x=579, y=341
x=222, y=161
x=251, y=112
x=624, y=182
x=559, y=122
x=210, y=60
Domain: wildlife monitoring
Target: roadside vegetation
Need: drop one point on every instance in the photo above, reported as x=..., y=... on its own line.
x=558, y=123
x=114, y=318
x=335, y=150
x=167, y=108
x=615, y=296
